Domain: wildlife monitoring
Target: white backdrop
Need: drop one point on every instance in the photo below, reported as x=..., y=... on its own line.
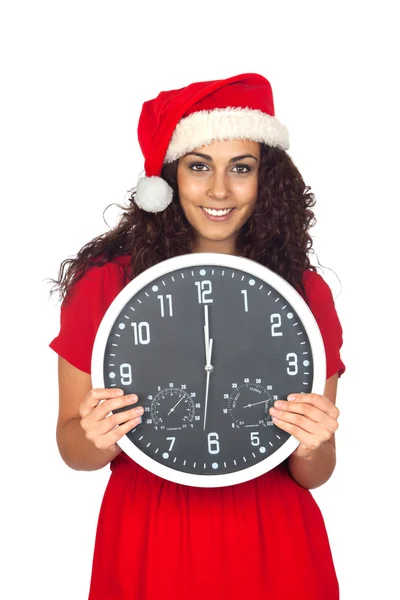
x=74, y=75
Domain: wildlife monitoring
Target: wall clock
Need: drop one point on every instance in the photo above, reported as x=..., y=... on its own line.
x=208, y=342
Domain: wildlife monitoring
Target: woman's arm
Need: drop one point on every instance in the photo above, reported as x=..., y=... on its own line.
x=312, y=419
x=86, y=439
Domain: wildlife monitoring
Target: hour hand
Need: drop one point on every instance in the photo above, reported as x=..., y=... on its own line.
x=207, y=341
x=209, y=366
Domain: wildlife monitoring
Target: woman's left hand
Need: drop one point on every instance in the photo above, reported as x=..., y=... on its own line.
x=310, y=418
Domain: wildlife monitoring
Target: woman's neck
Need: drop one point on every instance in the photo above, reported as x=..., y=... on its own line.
x=221, y=247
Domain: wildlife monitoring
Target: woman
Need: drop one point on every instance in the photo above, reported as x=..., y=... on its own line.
x=218, y=179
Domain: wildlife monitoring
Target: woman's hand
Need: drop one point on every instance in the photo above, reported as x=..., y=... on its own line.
x=310, y=418
x=102, y=428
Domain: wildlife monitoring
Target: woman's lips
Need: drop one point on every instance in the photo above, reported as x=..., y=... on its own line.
x=216, y=217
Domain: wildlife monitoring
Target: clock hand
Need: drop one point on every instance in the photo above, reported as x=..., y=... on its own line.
x=209, y=368
x=174, y=407
x=255, y=403
x=206, y=332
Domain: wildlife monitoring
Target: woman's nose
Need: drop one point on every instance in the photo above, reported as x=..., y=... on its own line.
x=219, y=186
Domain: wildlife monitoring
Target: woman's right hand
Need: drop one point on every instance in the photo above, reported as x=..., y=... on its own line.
x=102, y=428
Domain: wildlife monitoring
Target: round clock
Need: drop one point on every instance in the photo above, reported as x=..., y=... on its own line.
x=208, y=342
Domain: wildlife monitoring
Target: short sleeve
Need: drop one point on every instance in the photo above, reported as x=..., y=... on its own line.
x=82, y=311
x=321, y=303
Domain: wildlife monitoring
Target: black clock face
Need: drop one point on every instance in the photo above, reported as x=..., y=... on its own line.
x=208, y=349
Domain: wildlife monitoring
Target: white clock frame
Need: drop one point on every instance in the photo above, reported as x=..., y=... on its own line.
x=218, y=260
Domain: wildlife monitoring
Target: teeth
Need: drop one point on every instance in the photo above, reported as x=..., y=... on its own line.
x=217, y=213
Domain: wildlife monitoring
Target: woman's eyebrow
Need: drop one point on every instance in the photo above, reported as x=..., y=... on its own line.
x=242, y=156
x=235, y=159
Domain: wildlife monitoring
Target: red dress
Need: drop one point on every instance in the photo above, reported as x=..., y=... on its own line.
x=263, y=539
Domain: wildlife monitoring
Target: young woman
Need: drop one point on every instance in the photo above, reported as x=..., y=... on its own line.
x=218, y=179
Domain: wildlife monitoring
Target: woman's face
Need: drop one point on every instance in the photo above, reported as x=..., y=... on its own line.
x=218, y=186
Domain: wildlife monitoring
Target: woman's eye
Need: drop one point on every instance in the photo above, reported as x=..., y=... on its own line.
x=197, y=167
x=242, y=168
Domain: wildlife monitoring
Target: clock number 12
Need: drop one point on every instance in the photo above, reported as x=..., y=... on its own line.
x=204, y=288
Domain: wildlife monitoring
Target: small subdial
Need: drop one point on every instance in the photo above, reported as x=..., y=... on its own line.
x=249, y=403
x=172, y=408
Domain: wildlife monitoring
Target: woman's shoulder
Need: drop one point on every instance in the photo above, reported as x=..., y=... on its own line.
x=100, y=281
x=317, y=290
x=112, y=266
x=111, y=269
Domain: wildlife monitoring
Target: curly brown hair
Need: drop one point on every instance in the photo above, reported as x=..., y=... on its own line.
x=276, y=235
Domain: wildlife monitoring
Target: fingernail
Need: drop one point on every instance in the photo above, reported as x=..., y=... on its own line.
x=120, y=393
x=134, y=398
x=291, y=397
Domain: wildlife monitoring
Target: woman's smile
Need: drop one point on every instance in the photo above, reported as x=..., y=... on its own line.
x=218, y=214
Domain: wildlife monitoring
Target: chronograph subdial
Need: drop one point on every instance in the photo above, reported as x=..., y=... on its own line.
x=249, y=405
x=172, y=408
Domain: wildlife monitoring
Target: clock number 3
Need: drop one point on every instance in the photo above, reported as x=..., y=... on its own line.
x=293, y=368
x=204, y=288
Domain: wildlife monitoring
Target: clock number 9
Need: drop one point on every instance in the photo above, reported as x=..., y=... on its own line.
x=293, y=368
x=204, y=288
x=125, y=372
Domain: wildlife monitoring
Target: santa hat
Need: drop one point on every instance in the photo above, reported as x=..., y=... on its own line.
x=178, y=121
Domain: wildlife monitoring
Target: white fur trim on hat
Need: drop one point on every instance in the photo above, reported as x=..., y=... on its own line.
x=203, y=127
x=153, y=194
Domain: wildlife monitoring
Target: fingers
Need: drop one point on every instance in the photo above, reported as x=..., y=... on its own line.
x=295, y=424
x=317, y=400
x=95, y=396
x=116, y=434
x=101, y=424
x=109, y=439
x=301, y=413
x=116, y=419
x=306, y=414
x=112, y=404
x=106, y=433
x=304, y=437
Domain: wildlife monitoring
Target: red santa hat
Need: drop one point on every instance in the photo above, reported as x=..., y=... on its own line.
x=178, y=121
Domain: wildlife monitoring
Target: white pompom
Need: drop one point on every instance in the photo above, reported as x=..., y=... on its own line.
x=153, y=194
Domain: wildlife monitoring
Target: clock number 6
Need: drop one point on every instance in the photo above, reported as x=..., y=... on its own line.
x=213, y=443
x=204, y=288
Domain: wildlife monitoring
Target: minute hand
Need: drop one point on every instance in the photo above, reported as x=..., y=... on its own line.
x=209, y=368
x=208, y=343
